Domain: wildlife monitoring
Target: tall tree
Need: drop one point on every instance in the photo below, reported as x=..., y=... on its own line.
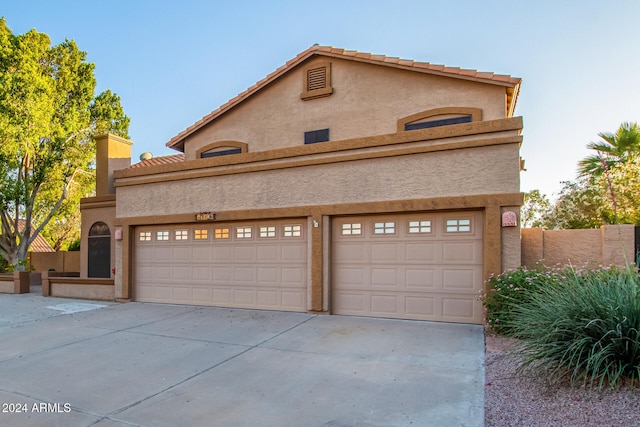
x=536, y=207
x=615, y=148
x=48, y=117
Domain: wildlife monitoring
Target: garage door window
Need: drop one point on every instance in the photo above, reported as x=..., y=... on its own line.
x=292, y=231
x=268, y=231
x=384, y=228
x=221, y=233
x=182, y=235
x=243, y=232
x=420, y=227
x=144, y=236
x=351, y=229
x=458, y=225
x=162, y=235
x=201, y=234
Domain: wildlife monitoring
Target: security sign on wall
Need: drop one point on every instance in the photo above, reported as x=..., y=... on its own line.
x=509, y=219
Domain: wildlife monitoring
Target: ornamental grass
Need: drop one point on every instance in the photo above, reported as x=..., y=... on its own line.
x=581, y=325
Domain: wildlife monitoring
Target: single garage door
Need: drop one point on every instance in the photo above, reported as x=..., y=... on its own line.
x=248, y=265
x=419, y=266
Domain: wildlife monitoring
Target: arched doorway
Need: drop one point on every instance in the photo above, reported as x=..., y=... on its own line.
x=99, y=250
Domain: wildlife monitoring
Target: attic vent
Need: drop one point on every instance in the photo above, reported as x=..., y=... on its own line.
x=316, y=81
x=317, y=78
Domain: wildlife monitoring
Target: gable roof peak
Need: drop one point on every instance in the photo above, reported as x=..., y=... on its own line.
x=511, y=83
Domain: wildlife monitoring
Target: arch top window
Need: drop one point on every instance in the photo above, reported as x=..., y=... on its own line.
x=222, y=148
x=99, y=229
x=437, y=117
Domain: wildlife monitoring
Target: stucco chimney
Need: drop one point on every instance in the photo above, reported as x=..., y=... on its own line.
x=112, y=153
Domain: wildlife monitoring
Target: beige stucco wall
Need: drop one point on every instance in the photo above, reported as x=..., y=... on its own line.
x=609, y=245
x=367, y=100
x=510, y=242
x=483, y=170
x=58, y=261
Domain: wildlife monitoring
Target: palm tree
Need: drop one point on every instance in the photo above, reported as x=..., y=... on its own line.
x=614, y=149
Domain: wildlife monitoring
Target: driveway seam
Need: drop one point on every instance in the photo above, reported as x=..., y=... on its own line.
x=249, y=348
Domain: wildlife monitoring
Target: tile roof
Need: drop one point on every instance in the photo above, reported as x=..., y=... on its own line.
x=39, y=244
x=512, y=83
x=164, y=160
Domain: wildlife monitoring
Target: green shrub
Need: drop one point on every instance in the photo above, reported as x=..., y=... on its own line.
x=511, y=288
x=585, y=327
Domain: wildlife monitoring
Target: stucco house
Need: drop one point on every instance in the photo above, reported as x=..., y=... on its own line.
x=341, y=183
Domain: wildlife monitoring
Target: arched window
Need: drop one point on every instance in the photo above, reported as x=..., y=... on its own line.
x=99, y=250
x=222, y=148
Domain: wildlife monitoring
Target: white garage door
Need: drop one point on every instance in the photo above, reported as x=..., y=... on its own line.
x=247, y=265
x=427, y=266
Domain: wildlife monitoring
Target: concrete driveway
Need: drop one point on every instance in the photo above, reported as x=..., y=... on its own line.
x=164, y=365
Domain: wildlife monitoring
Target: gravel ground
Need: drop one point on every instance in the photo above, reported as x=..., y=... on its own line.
x=522, y=399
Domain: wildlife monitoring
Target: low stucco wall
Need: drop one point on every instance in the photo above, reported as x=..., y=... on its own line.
x=609, y=245
x=62, y=285
x=14, y=283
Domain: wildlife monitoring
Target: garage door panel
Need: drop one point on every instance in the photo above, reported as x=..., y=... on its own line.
x=420, y=306
x=182, y=273
x=201, y=273
x=201, y=253
x=222, y=253
x=244, y=274
x=244, y=254
x=459, y=278
x=385, y=277
x=267, y=275
x=268, y=298
x=268, y=253
x=294, y=253
x=351, y=252
x=423, y=278
x=201, y=295
x=181, y=294
x=162, y=254
x=384, y=304
x=292, y=299
x=222, y=274
x=293, y=276
x=420, y=252
x=459, y=308
x=418, y=266
x=210, y=264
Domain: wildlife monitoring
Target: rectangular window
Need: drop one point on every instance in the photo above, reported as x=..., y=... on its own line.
x=162, y=235
x=292, y=230
x=243, y=232
x=351, y=229
x=182, y=235
x=313, y=136
x=423, y=226
x=145, y=236
x=268, y=231
x=384, y=228
x=201, y=234
x=458, y=225
x=436, y=123
x=221, y=233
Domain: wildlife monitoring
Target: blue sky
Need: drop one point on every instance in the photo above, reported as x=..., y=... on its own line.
x=173, y=62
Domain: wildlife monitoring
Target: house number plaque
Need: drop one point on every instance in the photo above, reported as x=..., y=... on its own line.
x=205, y=216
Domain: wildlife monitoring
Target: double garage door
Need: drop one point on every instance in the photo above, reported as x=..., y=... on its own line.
x=408, y=266
x=422, y=266
x=249, y=265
